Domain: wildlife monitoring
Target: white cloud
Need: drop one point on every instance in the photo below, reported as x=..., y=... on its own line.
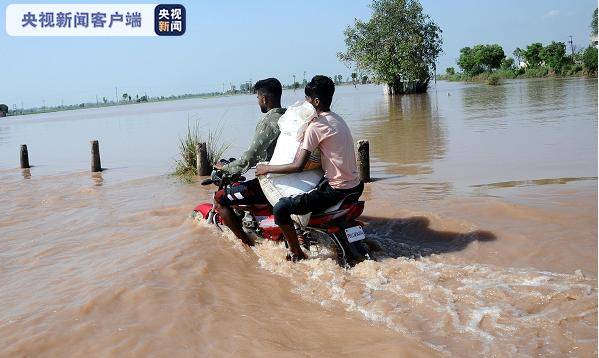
x=551, y=13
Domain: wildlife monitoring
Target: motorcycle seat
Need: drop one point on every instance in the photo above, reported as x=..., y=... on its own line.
x=349, y=199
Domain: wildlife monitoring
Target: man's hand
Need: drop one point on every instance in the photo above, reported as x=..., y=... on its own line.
x=218, y=166
x=261, y=169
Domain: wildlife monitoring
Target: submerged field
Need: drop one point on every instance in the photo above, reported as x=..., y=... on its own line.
x=485, y=205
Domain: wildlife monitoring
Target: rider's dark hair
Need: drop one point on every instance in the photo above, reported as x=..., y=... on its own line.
x=270, y=87
x=323, y=88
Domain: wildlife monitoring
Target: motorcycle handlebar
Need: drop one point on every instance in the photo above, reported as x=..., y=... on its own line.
x=207, y=181
x=230, y=178
x=223, y=178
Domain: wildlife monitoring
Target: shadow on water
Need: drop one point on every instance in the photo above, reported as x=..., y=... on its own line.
x=412, y=237
x=388, y=178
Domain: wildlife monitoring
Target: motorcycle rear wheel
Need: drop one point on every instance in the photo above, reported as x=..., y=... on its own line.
x=327, y=246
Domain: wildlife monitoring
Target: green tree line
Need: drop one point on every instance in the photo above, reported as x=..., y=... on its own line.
x=489, y=61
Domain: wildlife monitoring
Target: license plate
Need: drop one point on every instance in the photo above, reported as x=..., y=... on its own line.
x=354, y=233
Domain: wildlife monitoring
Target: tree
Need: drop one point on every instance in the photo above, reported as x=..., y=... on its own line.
x=398, y=45
x=450, y=71
x=245, y=87
x=554, y=56
x=3, y=110
x=489, y=57
x=480, y=58
x=589, y=60
x=354, y=76
x=468, y=63
x=125, y=97
x=507, y=64
x=594, y=23
x=532, y=54
x=518, y=54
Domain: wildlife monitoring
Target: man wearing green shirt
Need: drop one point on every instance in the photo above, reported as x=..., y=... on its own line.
x=261, y=149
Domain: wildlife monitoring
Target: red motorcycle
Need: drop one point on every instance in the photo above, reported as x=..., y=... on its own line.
x=334, y=233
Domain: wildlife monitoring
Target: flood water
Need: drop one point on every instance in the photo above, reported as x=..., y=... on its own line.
x=484, y=206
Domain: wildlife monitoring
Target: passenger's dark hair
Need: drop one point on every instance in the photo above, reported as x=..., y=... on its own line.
x=321, y=87
x=270, y=87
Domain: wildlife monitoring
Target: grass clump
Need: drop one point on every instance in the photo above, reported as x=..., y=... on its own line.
x=186, y=164
x=493, y=80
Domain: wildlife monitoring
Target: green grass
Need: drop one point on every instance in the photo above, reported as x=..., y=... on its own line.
x=493, y=80
x=186, y=164
x=535, y=72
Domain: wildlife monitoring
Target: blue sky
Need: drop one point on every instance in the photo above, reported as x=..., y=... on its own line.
x=233, y=41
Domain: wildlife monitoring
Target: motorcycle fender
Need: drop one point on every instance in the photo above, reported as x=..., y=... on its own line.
x=203, y=209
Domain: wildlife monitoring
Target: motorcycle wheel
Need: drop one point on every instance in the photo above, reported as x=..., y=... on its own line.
x=327, y=246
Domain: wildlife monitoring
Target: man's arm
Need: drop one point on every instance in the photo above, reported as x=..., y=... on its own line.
x=237, y=166
x=297, y=166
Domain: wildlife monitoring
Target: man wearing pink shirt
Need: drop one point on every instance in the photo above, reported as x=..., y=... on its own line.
x=332, y=136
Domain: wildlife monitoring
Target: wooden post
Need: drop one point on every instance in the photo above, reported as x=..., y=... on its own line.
x=364, y=160
x=96, y=166
x=203, y=166
x=24, y=157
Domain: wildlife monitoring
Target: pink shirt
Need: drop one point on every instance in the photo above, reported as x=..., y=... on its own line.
x=330, y=133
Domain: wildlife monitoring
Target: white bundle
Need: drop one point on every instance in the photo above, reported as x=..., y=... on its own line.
x=292, y=124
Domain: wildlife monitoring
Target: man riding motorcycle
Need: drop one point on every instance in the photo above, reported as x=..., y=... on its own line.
x=268, y=92
x=329, y=133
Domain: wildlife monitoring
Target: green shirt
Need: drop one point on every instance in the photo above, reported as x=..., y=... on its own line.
x=263, y=144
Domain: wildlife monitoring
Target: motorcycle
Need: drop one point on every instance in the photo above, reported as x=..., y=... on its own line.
x=335, y=233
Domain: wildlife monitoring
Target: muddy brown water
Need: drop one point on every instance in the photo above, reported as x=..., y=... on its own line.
x=484, y=208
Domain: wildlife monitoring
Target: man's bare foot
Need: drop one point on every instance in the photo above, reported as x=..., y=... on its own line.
x=296, y=257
